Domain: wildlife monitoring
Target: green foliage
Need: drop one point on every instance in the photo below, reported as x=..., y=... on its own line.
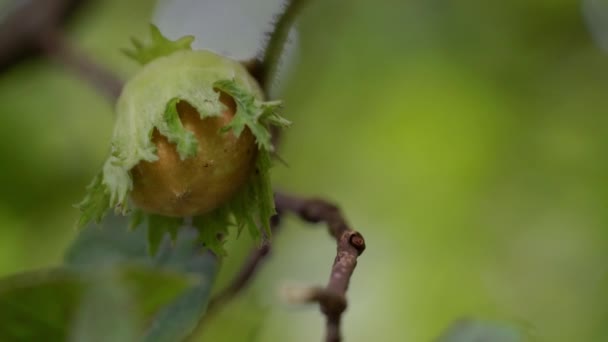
x=159, y=46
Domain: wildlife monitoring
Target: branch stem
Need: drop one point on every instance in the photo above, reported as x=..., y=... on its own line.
x=56, y=47
x=247, y=272
x=350, y=245
x=332, y=297
x=265, y=68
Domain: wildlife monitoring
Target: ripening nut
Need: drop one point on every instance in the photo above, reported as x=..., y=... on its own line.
x=191, y=138
x=196, y=165
x=172, y=186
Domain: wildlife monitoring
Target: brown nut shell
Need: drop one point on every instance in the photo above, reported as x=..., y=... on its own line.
x=195, y=186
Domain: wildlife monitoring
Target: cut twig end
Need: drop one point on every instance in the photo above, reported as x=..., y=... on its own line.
x=357, y=241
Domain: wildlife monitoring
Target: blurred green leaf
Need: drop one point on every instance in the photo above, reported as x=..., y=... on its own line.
x=481, y=331
x=178, y=319
x=38, y=306
x=112, y=245
x=104, y=315
x=42, y=305
x=107, y=245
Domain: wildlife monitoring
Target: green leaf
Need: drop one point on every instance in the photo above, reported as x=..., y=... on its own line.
x=252, y=113
x=159, y=46
x=172, y=128
x=158, y=226
x=104, y=315
x=468, y=330
x=96, y=203
x=143, y=278
x=177, y=320
x=113, y=245
x=41, y=305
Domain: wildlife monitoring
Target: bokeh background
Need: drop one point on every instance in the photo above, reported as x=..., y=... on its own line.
x=466, y=140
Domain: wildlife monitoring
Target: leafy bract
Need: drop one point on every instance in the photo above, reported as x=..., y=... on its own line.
x=252, y=113
x=159, y=46
x=172, y=128
x=212, y=229
x=97, y=201
x=158, y=226
x=255, y=202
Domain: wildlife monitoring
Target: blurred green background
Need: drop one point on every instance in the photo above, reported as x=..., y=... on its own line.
x=465, y=140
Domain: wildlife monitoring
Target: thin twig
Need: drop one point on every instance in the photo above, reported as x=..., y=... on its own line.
x=22, y=23
x=264, y=68
x=350, y=244
x=56, y=47
x=332, y=298
x=247, y=272
x=241, y=280
x=33, y=27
